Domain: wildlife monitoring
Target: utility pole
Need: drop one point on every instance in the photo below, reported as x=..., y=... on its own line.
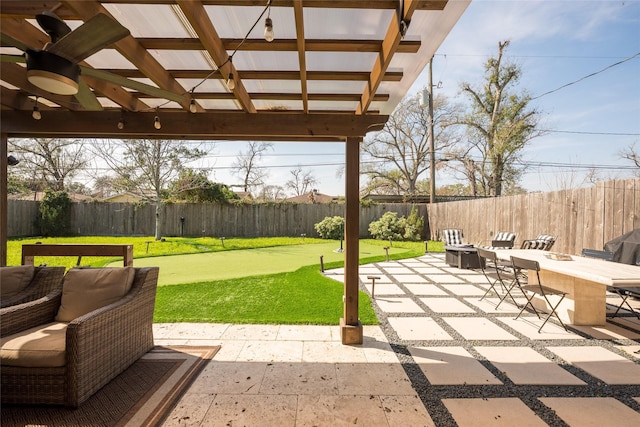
x=432, y=149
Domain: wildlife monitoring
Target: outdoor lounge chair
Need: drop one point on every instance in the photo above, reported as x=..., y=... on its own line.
x=453, y=237
x=64, y=347
x=543, y=242
x=502, y=240
x=594, y=253
x=530, y=291
x=25, y=283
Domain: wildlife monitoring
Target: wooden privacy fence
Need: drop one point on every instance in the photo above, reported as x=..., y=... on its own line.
x=580, y=218
x=220, y=220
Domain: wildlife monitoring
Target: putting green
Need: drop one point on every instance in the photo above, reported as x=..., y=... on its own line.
x=211, y=266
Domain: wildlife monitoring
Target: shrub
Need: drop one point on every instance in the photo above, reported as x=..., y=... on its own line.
x=389, y=226
x=55, y=214
x=414, y=225
x=330, y=227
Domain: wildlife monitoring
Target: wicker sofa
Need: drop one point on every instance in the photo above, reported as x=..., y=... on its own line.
x=98, y=345
x=44, y=281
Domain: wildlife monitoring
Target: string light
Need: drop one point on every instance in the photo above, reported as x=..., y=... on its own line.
x=36, y=111
x=268, y=26
x=192, y=106
x=156, y=121
x=231, y=83
x=121, y=121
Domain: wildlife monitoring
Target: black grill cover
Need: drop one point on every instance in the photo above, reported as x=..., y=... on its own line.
x=626, y=248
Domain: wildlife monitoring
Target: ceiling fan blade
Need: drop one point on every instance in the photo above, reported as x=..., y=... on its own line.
x=12, y=58
x=10, y=41
x=92, y=36
x=87, y=98
x=132, y=84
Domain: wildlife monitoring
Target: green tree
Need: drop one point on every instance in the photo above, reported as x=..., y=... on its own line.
x=499, y=124
x=48, y=163
x=55, y=214
x=148, y=166
x=399, y=155
x=195, y=187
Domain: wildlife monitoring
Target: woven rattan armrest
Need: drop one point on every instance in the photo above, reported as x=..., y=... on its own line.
x=20, y=317
x=104, y=342
x=45, y=280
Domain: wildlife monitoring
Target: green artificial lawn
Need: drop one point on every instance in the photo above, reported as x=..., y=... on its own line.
x=277, y=281
x=231, y=264
x=303, y=296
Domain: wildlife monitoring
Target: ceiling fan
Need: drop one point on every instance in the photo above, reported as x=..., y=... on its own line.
x=55, y=67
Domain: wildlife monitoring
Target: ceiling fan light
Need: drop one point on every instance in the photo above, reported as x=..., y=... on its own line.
x=52, y=73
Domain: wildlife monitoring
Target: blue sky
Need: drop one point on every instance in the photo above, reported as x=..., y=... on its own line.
x=555, y=43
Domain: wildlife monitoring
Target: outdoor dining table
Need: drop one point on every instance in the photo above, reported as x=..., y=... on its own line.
x=584, y=279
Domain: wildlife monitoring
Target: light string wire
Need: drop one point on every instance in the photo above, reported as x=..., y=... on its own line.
x=228, y=60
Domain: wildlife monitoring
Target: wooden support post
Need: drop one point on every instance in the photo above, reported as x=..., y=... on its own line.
x=350, y=326
x=3, y=199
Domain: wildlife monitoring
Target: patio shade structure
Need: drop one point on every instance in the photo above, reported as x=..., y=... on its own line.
x=334, y=71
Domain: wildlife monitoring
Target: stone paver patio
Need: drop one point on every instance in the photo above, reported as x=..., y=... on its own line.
x=440, y=357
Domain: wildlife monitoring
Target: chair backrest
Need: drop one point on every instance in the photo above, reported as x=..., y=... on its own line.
x=452, y=236
x=520, y=264
x=487, y=254
x=505, y=236
x=594, y=253
x=543, y=242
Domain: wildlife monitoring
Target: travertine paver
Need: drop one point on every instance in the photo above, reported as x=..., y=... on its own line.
x=304, y=333
x=410, y=278
x=488, y=305
x=384, y=289
x=601, y=363
x=230, y=378
x=524, y=365
x=398, y=305
x=608, y=332
x=332, y=352
x=382, y=278
x=529, y=325
x=451, y=365
x=398, y=270
x=406, y=411
x=252, y=410
x=507, y=412
x=464, y=290
x=373, y=378
x=418, y=328
x=474, y=278
x=251, y=332
x=270, y=351
x=443, y=278
x=447, y=305
x=593, y=411
x=339, y=411
x=424, y=289
x=300, y=378
x=478, y=328
x=428, y=270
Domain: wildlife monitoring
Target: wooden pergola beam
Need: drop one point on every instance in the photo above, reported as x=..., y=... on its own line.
x=283, y=126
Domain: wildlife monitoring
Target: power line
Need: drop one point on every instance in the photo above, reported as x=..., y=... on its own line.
x=587, y=76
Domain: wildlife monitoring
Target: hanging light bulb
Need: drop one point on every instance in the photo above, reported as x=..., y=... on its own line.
x=231, y=82
x=192, y=106
x=121, y=121
x=156, y=121
x=268, y=29
x=36, y=111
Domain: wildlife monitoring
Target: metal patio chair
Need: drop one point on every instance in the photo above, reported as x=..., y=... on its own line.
x=530, y=291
